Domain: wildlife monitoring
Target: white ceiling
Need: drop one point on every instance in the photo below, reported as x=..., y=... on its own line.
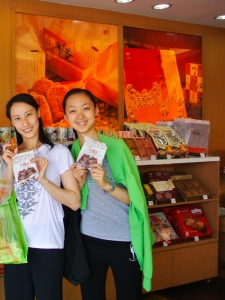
x=192, y=11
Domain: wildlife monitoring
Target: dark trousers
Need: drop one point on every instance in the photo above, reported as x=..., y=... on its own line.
x=119, y=256
x=41, y=276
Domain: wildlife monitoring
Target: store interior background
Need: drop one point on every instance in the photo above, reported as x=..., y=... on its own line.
x=213, y=56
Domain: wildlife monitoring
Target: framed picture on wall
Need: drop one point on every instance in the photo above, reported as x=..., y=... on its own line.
x=54, y=55
x=162, y=75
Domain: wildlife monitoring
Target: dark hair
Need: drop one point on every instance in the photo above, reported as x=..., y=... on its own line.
x=28, y=99
x=78, y=91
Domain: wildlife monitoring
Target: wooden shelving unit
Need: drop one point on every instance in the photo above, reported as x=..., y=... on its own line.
x=186, y=261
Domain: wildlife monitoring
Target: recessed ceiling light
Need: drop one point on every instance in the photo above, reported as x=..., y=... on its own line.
x=161, y=6
x=123, y=1
x=222, y=17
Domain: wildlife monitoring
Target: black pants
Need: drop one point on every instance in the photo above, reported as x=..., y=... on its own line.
x=120, y=257
x=41, y=276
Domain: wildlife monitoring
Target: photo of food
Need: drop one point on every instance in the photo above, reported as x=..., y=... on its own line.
x=54, y=55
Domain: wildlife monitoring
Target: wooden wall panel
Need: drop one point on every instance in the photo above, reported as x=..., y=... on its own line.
x=213, y=55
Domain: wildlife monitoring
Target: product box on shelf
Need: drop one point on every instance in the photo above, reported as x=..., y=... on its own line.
x=141, y=148
x=125, y=134
x=178, y=145
x=164, y=191
x=191, y=189
x=137, y=128
x=148, y=191
x=61, y=134
x=195, y=134
x=161, y=142
x=157, y=175
x=166, y=140
x=162, y=186
x=162, y=229
x=180, y=176
x=71, y=134
x=51, y=133
x=168, y=211
x=5, y=134
x=190, y=221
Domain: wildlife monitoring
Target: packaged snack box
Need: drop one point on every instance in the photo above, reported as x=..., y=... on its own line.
x=92, y=152
x=5, y=134
x=191, y=189
x=161, y=185
x=194, y=133
x=161, y=227
x=24, y=171
x=141, y=148
x=190, y=221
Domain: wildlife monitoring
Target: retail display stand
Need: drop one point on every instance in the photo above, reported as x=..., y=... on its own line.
x=189, y=260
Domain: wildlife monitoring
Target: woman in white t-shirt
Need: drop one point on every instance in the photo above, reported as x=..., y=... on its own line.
x=40, y=205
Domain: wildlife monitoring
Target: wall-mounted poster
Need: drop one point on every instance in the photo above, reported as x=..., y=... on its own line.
x=152, y=86
x=171, y=66
x=54, y=55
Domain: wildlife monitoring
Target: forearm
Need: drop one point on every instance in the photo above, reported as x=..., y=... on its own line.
x=67, y=197
x=81, y=186
x=120, y=194
x=9, y=173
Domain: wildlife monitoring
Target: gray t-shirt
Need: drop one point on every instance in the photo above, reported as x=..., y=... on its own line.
x=105, y=217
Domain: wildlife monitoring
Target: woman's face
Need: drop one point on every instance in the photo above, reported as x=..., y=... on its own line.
x=24, y=118
x=80, y=113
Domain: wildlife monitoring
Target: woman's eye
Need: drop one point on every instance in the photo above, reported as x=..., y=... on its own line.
x=86, y=108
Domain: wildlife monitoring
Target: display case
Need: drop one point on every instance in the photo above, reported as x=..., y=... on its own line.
x=188, y=260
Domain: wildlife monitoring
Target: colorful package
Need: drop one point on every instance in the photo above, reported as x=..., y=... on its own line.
x=24, y=170
x=162, y=229
x=194, y=133
x=92, y=152
x=190, y=221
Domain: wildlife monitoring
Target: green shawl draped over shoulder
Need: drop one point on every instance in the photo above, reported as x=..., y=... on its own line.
x=125, y=171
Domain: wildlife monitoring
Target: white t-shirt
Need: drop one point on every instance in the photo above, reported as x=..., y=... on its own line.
x=42, y=216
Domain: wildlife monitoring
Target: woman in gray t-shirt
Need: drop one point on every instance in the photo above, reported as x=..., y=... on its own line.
x=105, y=220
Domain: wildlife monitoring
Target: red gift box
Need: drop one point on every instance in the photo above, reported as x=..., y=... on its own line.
x=190, y=221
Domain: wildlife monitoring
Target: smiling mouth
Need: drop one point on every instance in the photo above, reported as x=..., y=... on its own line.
x=27, y=130
x=81, y=123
